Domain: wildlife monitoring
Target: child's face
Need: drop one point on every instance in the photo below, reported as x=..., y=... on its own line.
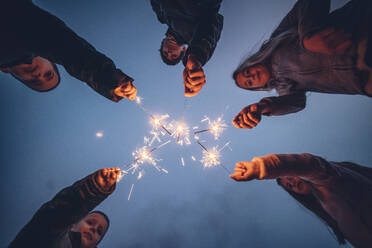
x=92, y=228
x=253, y=77
x=296, y=185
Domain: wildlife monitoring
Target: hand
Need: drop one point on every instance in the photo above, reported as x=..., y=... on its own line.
x=193, y=76
x=126, y=90
x=248, y=117
x=245, y=171
x=329, y=41
x=107, y=177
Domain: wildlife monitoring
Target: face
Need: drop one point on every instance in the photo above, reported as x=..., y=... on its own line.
x=92, y=228
x=171, y=50
x=253, y=77
x=296, y=185
x=40, y=75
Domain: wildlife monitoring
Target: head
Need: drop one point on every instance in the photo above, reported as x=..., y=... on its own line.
x=252, y=78
x=254, y=73
x=170, y=51
x=41, y=75
x=93, y=228
x=302, y=191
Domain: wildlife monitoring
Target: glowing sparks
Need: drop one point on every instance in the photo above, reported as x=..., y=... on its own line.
x=130, y=192
x=212, y=156
x=216, y=127
x=193, y=158
x=99, y=134
x=181, y=132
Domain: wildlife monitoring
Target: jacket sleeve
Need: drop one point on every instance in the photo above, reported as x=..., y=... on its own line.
x=205, y=38
x=55, y=217
x=81, y=60
x=306, y=16
x=307, y=166
x=158, y=11
x=285, y=104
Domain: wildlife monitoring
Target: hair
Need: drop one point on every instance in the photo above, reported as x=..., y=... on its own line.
x=311, y=203
x=106, y=218
x=263, y=55
x=55, y=86
x=166, y=60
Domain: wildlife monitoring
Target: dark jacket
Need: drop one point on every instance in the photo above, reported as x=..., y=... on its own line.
x=28, y=31
x=296, y=70
x=50, y=226
x=193, y=22
x=343, y=189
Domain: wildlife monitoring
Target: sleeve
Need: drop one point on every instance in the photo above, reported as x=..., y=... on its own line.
x=306, y=16
x=205, y=38
x=285, y=104
x=81, y=60
x=157, y=9
x=307, y=166
x=56, y=216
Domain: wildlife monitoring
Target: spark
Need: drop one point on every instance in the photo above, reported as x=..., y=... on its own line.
x=182, y=161
x=216, y=127
x=193, y=158
x=181, y=132
x=212, y=156
x=99, y=134
x=121, y=175
x=138, y=100
x=130, y=192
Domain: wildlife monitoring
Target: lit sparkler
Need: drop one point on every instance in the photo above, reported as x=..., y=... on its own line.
x=215, y=127
x=181, y=132
x=212, y=157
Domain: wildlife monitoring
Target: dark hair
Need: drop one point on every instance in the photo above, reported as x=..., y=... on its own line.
x=55, y=86
x=311, y=203
x=106, y=218
x=166, y=60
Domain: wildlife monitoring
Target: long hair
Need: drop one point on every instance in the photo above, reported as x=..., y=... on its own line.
x=311, y=203
x=263, y=55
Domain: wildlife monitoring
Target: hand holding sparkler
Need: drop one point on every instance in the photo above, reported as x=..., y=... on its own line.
x=106, y=178
x=246, y=171
x=193, y=76
x=126, y=88
x=250, y=116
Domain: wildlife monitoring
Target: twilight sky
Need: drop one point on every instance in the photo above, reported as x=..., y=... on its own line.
x=48, y=140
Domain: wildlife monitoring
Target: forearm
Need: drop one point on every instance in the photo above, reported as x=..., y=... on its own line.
x=206, y=37
x=282, y=105
x=306, y=166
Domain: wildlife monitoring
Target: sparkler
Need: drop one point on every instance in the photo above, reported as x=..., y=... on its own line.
x=212, y=157
x=215, y=127
x=181, y=132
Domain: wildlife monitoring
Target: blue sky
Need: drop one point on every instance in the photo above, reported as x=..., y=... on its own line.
x=48, y=140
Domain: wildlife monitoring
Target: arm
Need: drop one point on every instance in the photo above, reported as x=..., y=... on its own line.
x=69, y=206
x=309, y=167
x=205, y=38
x=305, y=16
x=284, y=104
x=80, y=59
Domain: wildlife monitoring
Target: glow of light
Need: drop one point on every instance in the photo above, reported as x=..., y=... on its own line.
x=140, y=175
x=211, y=157
x=138, y=99
x=193, y=158
x=182, y=161
x=181, y=132
x=99, y=134
x=215, y=127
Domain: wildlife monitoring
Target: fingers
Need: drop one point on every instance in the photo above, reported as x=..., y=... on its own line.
x=193, y=81
x=246, y=118
x=244, y=171
x=126, y=90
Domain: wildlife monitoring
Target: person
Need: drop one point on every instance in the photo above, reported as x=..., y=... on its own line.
x=67, y=220
x=196, y=24
x=310, y=50
x=33, y=41
x=339, y=193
